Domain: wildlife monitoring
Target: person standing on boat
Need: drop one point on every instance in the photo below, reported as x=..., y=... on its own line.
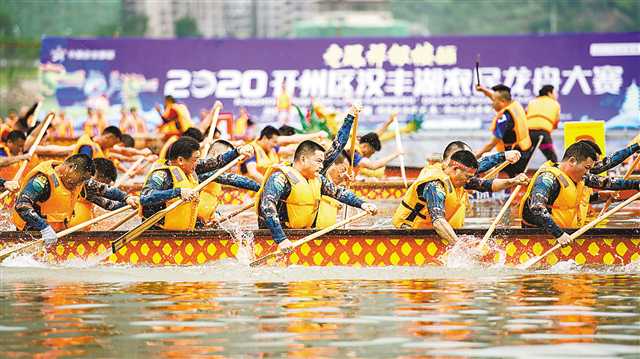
x=559, y=193
x=177, y=178
x=438, y=199
x=50, y=191
x=543, y=116
x=291, y=194
x=509, y=127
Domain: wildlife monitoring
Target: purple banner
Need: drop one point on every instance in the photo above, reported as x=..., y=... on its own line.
x=596, y=75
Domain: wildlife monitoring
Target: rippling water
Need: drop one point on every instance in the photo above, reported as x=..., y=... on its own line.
x=229, y=310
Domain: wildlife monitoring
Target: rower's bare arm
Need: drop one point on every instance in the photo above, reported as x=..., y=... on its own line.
x=485, y=91
x=54, y=149
x=287, y=140
x=130, y=151
x=252, y=172
x=445, y=231
x=32, y=136
x=375, y=164
x=8, y=161
x=382, y=129
x=501, y=184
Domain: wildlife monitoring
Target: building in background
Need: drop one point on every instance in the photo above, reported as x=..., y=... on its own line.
x=162, y=15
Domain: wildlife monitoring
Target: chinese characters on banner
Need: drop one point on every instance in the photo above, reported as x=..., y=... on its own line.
x=434, y=76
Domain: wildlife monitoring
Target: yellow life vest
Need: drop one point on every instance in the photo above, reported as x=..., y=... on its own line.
x=184, y=216
x=264, y=160
x=571, y=207
x=82, y=212
x=413, y=210
x=85, y=140
x=209, y=201
x=182, y=122
x=59, y=206
x=543, y=113
x=523, y=141
x=327, y=212
x=304, y=199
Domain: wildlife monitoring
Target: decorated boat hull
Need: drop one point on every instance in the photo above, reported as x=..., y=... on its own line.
x=601, y=247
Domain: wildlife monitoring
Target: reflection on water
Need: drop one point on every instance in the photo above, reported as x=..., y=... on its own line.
x=446, y=313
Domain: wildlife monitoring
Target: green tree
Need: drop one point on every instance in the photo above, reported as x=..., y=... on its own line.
x=488, y=17
x=133, y=24
x=186, y=27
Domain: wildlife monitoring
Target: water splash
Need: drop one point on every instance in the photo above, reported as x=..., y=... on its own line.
x=466, y=254
x=242, y=238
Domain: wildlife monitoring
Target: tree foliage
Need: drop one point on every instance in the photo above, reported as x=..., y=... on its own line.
x=488, y=17
x=186, y=27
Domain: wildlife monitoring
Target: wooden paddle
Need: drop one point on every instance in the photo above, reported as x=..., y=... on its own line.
x=9, y=251
x=581, y=231
x=403, y=170
x=507, y=204
x=352, y=154
x=129, y=172
x=308, y=238
x=232, y=214
x=32, y=151
x=626, y=176
x=492, y=173
x=149, y=222
x=123, y=221
x=217, y=106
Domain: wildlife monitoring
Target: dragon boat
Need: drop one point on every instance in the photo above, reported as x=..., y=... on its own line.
x=349, y=247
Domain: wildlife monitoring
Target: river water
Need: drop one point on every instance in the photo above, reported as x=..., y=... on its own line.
x=227, y=309
x=230, y=310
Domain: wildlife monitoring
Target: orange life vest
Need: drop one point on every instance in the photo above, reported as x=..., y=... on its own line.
x=59, y=206
x=523, y=141
x=543, y=113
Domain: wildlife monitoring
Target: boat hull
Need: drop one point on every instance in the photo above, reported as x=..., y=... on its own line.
x=346, y=247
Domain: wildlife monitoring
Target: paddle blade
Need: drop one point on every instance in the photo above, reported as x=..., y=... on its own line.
x=264, y=259
x=134, y=233
x=19, y=248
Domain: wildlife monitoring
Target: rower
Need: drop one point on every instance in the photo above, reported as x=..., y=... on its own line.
x=336, y=168
x=366, y=147
x=193, y=132
x=96, y=147
x=290, y=194
x=176, y=117
x=267, y=149
x=109, y=199
x=50, y=191
x=509, y=127
x=210, y=195
x=177, y=178
x=486, y=162
x=558, y=195
x=11, y=154
x=438, y=199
